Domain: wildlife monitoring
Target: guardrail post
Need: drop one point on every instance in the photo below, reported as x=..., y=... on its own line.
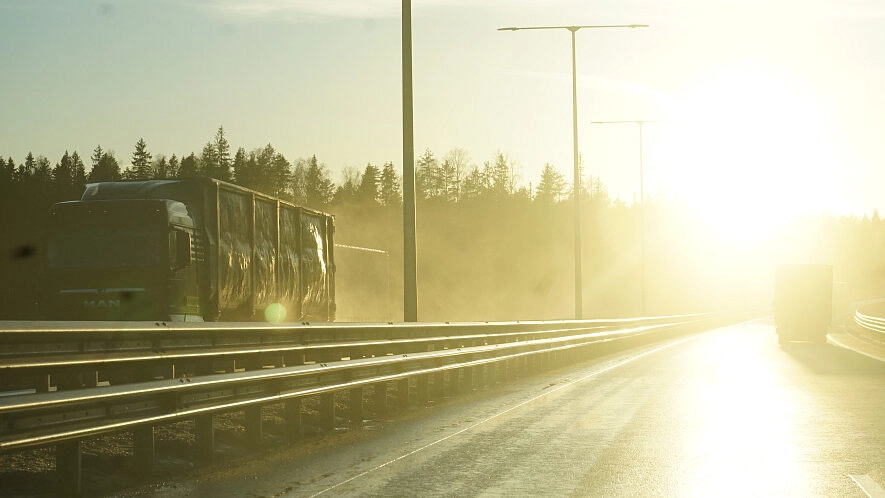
x=204, y=430
x=466, y=384
x=292, y=359
x=380, y=400
x=439, y=386
x=254, y=426
x=356, y=406
x=327, y=411
x=145, y=449
x=479, y=377
x=423, y=388
x=44, y=382
x=69, y=466
x=402, y=393
x=293, y=417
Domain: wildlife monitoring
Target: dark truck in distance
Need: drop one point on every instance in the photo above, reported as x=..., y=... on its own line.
x=803, y=302
x=194, y=249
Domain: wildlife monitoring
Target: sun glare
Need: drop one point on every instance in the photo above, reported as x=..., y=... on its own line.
x=754, y=152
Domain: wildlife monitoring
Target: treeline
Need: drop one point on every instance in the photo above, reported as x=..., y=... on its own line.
x=304, y=181
x=490, y=247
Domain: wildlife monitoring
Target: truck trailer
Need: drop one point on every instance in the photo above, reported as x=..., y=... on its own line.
x=803, y=302
x=193, y=249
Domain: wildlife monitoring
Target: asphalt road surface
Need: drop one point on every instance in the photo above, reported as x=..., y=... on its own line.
x=723, y=413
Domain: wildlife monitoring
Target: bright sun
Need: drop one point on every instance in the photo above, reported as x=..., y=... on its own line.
x=754, y=151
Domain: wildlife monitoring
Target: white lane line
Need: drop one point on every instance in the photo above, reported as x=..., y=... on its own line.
x=563, y=386
x=870, y=487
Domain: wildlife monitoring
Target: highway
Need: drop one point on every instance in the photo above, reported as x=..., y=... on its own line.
x=723, y=413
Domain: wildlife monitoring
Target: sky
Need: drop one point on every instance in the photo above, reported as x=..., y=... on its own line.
x=765, y=108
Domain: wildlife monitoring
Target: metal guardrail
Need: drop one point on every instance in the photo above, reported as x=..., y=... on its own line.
x=60, y=356
x=870, y=323
x=312, y=360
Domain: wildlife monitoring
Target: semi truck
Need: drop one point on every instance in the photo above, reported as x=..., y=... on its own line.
x=803, y=302
x=193, y=249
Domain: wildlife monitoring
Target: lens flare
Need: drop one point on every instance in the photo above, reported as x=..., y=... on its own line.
x=275, y=313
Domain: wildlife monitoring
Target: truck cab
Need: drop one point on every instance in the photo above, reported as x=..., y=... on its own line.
x=126, y=259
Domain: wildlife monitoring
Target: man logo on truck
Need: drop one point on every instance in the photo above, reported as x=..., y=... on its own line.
x=101, y=303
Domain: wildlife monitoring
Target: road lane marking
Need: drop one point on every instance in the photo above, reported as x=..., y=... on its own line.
x=870, y=487
x=514, y=407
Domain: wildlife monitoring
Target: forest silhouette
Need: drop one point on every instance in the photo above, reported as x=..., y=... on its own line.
x=490, y=247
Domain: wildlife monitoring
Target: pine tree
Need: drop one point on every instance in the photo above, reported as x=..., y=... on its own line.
x=173, y=167
x=389, y=187
x=368, y=193
x=501, y=179
x=317, y=185
x=63, y=176
x=7, y=172
x=474, y=185
x=189, y=167
x=243, y=174
x=104, y=167
x=552, y=185
x=427, y=177
x=208, y=165
x=96, y=156
x=347, y=192
x=141, y=162
x=222, y=158
x=43, y=172
x=161, y=167
x=79, y=176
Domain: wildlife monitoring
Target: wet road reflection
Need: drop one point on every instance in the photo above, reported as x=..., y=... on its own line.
x=725, y=413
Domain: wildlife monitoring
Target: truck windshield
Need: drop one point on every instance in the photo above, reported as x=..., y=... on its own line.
x=104, y=247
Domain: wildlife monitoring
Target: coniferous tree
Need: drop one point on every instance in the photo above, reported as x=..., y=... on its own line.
x=501, y=179
x=43, y=172
x=208, y=164
x=105, y=167
x=95, y=158
x=222, y=160
x=427, y=177
x=173, y=167
x=79, y=176
x=368, y=193
x=318, y=187
x=271, y=172
x=474, y=184
x=389, y=186
x=347, y=191
x=7, y=172
x=189, y=167
x=141, y=162
x=243, y=171
x=552, y=185
x=63, y=175
x=161, y=167
x=30, y=164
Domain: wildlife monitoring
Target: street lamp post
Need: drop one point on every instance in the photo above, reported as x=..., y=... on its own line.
x=579, y=298
x=640, y=124
x=410, y=245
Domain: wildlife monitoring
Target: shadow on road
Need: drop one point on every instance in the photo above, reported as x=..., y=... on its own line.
x=827, y=359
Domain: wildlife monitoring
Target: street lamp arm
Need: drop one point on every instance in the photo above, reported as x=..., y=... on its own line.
x=575, y=28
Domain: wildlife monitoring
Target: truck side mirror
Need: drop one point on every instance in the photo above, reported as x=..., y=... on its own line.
x=182, y=249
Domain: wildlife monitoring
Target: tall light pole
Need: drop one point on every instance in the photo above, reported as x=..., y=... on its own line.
x=639, y=123
x=579, y=298
x=410, y=246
